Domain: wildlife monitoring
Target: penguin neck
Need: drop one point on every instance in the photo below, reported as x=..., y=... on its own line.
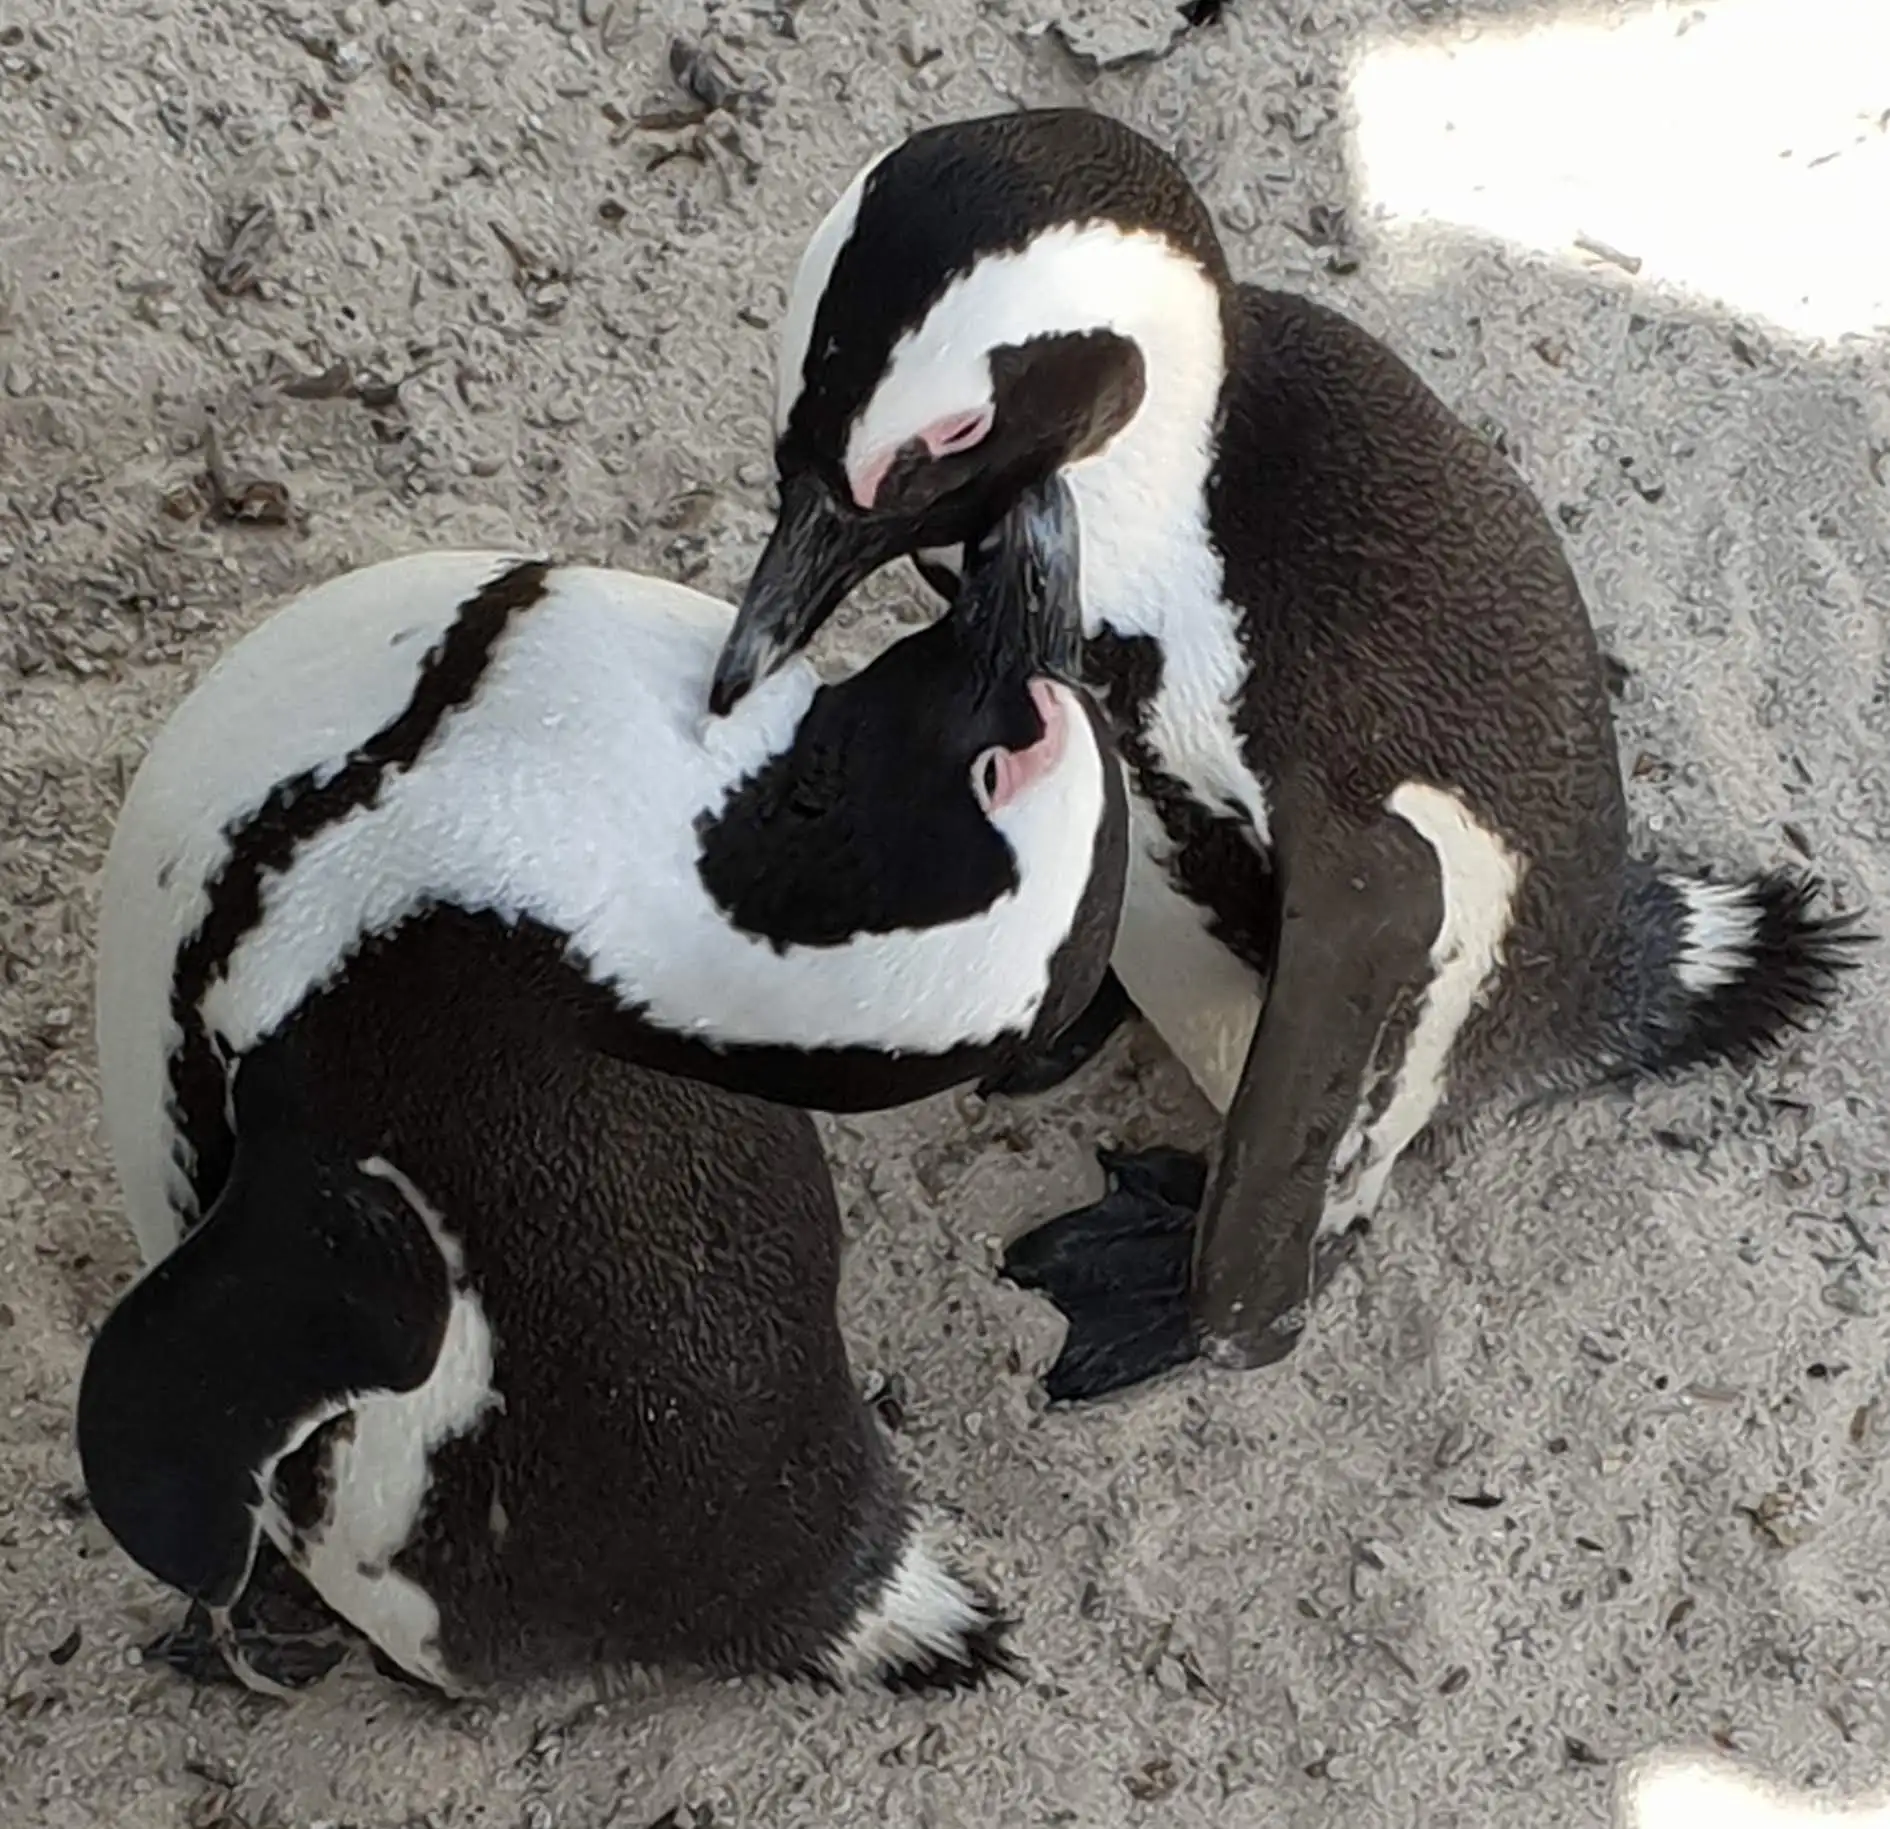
x=1143, y=499
x=1150, y=568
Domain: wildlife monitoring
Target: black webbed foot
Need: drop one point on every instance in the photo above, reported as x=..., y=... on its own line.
x=1076, y=1047
x=279, y=1630
x=244, y=1656
x=1118, y=1271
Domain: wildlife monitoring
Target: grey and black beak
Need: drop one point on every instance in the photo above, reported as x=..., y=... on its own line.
x=818, y=552
x=1022, y=589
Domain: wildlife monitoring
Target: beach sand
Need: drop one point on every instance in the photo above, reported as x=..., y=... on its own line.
x=1583, y=1459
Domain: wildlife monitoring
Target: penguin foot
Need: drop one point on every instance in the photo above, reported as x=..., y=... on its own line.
x=207, y=1648
x=1075, y=1047
x=279, y=1637
x=1119, y=1272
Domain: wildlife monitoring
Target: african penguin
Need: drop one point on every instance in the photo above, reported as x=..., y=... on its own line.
x=1379, y=844
x=459, y=987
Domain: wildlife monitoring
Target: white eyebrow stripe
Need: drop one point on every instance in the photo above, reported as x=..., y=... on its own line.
x=1068, y=279
x=811, y=280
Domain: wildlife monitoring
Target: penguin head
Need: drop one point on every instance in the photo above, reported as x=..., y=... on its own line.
x=988, y=303
x=312, y=1279
x=957, y=796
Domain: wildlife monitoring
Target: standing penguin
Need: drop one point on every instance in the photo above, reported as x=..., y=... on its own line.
x=451, y=970
x=1378, y=837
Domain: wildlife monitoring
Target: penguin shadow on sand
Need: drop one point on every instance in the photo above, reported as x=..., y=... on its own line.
x=1380, y=868
x=462, y=990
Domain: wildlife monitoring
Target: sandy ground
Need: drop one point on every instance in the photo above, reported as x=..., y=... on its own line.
x=1585, y=1458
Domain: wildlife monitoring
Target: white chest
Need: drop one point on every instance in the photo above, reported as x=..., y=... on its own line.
x=1153, y=573
x=1205, y=1002
x=1150, y=569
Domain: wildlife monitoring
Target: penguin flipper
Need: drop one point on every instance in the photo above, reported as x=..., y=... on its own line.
x=1361, y=907
x=314, y=1278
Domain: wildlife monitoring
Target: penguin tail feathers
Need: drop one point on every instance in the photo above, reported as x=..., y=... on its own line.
x=1726, y=971
x=923, y=1631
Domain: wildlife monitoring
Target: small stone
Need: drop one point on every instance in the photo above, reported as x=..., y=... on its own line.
x=257, y=502
x=1847, y=1294
x=1171, y=1677
x=889, y=1402
x=1154, y=1779
x=1779, y=1515
x=183, y=502
x=1107, y=34
x=915, y=47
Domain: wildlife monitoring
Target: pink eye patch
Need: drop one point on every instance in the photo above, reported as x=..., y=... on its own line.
x=942, y=438
x=1013, y=771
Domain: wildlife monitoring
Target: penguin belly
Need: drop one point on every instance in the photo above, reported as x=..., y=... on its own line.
x=1203, y=1001
x=342, y=1529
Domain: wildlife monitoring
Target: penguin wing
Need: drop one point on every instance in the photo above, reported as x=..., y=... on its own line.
x=1361, y=904
x=313, y=1278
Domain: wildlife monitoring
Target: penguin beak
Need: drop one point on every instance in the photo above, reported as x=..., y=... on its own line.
x=817, y=553
x=1022, y=595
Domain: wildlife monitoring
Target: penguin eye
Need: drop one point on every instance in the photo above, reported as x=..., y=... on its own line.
x=987, y=775
x=959, y=433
